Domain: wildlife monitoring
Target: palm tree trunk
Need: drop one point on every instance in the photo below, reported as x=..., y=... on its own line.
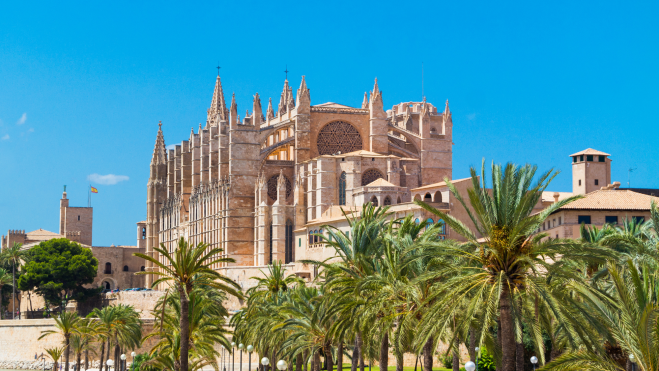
x=456, y=358
x=66, y=357
x=339, y=357
x=100, y=367
x=329, y=361
x=298, y=362
x=519, y=356
x=306, y=361
x=13, y=290
x=399, y=360
x=361, y=353
x=316, y=361
x=508, y=346
x=384, y=351
x=185, y=330
x=78, y=354
x=427, y=355
x=355, y=355
x=87, y=358
x=472, y=345
x=55, y=366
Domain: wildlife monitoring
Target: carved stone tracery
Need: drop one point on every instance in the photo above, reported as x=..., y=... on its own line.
x=370, y=176
x=272, y=187
x=338, y=136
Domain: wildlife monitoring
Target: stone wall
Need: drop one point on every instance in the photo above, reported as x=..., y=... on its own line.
x=142, y=301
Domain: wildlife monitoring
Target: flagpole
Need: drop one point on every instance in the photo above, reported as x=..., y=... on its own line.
x=89, y=197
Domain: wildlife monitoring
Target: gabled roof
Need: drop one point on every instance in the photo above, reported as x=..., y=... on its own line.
x=612, y=200
x=42, y=235
x=438, y=185
x=590, y=151
x=379, y=182
x=332, y=105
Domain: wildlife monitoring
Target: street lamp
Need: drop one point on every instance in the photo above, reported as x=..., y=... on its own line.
x=265, y=362
x=477, y=349
x=233, y=355
x=123, y=362
x=249, y=351
x=534, y=360
x=240, y=346
x=110, y=363
x=132, y=365
x=470, y=366
x=632, y=359
x=281, y=365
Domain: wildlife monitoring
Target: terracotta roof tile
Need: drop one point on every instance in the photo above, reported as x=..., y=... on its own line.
x=590, y=151
x=440, y=184
x=379, y=182
x=612, y=200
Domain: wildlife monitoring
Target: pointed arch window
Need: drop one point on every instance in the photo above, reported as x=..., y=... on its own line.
x=387, y=201
x=342, y=189
x=374, y=201
x=289, y=242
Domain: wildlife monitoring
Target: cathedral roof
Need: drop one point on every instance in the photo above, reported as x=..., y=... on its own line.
x=332, y=105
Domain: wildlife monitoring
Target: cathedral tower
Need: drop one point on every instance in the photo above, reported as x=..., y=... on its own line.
x=156, y=194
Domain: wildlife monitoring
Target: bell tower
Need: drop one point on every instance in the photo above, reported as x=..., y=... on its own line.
x=591, y=170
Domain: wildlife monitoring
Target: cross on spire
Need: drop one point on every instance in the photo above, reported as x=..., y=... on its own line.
x=286, y=72
x=218, y=68
x=160, y=125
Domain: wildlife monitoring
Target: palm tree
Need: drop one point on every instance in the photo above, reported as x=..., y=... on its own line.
x=5, y=279
x=508, y=266
x=630, y=318
x=55, y=354
x=180, y=270
x=67, y=325
x=118, y=325
x=13, y=256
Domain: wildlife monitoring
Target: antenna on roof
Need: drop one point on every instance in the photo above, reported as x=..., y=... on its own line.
x=629, y=177
x=422, y=96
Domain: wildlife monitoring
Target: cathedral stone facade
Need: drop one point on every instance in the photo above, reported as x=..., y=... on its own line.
x=259, y=187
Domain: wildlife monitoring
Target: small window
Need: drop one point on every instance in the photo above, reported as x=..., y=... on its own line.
x=299, y=242
x=348, y=234
x=553, y=222
x=142, y=269
x=597, y=182
x=108, y=268
x=602, y=158
x=416, y=221
x=611, y=219
x=589, y=158
x=581, y=158
x=143, y=233
x=579, y=181
x=373, y=159
x=78, y=217
x=125, y=268
x=315, y=237
x=638, y=219
x=583, y=219
x=574, y=159
x=559, y=220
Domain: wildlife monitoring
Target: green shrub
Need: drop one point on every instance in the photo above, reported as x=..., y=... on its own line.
x=447, y=361
x=486, y=361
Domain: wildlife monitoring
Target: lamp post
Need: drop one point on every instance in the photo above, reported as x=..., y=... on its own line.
x=222, y=358
x=122, y=366
x=43, y=359
x=233, y=355
x=265, y=362
x=132, y=365
x=534, y=360
x=110, y=363
x=632, y=359
x=470, y=366
x=477, y=349
x=249, y=355
x=241, y=346
x=281, y=365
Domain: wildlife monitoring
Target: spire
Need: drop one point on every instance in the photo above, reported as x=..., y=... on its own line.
x=159, y=150
x=375, y=105
x=447, y=111
x=257, y=111
x=270, y=113
x=233, y=113
x=365, y=101
x=290, y=101
x=218, y=110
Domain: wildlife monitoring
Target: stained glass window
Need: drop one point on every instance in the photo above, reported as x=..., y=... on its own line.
x=342, y=189
x=338, y=136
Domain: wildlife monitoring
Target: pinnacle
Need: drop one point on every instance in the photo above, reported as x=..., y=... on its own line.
x=159, y=150
x=218, y=105
x=365, y=101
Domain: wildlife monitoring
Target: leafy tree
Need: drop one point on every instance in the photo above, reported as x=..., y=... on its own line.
x=57, y=270
x=5, y=285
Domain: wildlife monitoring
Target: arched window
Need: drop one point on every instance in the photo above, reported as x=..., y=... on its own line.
x=125, y=268
x=288, y=255
x=272, y=187
x=338, y=136
x=417, y=197
x=417, y=221
x=398, y=201
x=371, y=175
x=107, y=285
x=310, y=237
x=143, y=233
x=438, y=196
x=315, y=237
x=142, y=269
x=387, y=201
x=374, y=201
x=429, y=223
x=108, y=268
x=320, y=238
x=442, y=229
x=427, y=198
x=342, y=189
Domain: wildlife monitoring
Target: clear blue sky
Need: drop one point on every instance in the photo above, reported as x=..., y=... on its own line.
x=82, y=86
